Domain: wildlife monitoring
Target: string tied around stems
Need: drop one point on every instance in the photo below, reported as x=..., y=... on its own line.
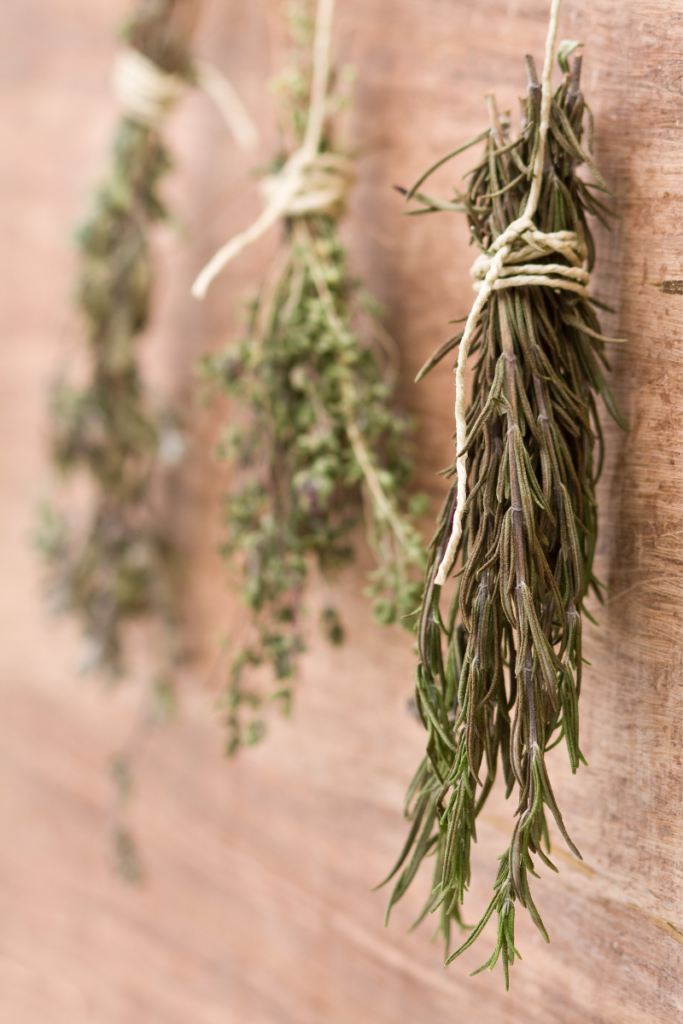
x=322, y=185
x=307, y=184
x=505, y=266
x=519, y=265
x=310, y=182
x=147, y=93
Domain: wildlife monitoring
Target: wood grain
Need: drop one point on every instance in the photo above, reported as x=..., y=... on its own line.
x=258, y=907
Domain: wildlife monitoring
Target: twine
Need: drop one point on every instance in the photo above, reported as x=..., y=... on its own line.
x=322, y=186
x=505, y=266
x=147, y=93
x=516, y=272
x=224, y=95
x=310, y=182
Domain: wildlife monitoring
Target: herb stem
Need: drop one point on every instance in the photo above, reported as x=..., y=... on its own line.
x=384, y=504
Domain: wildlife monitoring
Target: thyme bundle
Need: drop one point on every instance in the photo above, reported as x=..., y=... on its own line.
x=499, y=674
x=319, y=434
x=118, y=568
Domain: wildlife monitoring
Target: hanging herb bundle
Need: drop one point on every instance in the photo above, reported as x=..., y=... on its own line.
x=117, y=569
x=499, y=675
x=320, y=444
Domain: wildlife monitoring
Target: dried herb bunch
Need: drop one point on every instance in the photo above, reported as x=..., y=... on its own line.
x=318, y=444
x=118, y=569
x=499, y=674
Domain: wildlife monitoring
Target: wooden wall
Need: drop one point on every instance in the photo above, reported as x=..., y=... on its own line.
x=257, y=908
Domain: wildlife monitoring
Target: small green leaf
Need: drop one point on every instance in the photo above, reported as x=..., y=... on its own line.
x=564, y=51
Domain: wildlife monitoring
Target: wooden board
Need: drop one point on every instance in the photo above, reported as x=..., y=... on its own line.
x=258, y=907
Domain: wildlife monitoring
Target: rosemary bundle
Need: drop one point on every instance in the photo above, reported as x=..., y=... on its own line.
x=117, y=569
x=499, y=674
x=318, y=443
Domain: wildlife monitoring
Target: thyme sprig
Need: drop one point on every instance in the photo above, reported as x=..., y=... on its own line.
x=321, y=443
x=499, y=676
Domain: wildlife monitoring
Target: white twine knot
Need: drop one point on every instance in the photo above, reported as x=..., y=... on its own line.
x=513, y=270
x=310, y=181
x=322, y=186
x=147, y=93
x=505, y=266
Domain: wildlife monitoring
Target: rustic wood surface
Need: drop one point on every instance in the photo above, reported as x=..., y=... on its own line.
x=257, y=908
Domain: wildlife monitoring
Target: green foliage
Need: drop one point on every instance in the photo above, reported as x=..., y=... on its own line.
x=499, y=676
x=319, y=447
x=117, y=568
x=316, y=447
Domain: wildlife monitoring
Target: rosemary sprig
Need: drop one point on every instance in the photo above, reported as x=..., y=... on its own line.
x=499, y=676
x=117, y=568
x=321, y=441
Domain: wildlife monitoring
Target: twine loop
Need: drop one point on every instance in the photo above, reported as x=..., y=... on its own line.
x=145, y=92
x=310, y=181
x=515, y=260
x=322, y=185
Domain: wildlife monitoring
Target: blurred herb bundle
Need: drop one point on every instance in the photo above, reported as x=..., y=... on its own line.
x=117, y=567
x=317, y=445
x=499, y=674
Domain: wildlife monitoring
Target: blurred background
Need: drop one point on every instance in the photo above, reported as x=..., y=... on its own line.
x=256, y=905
